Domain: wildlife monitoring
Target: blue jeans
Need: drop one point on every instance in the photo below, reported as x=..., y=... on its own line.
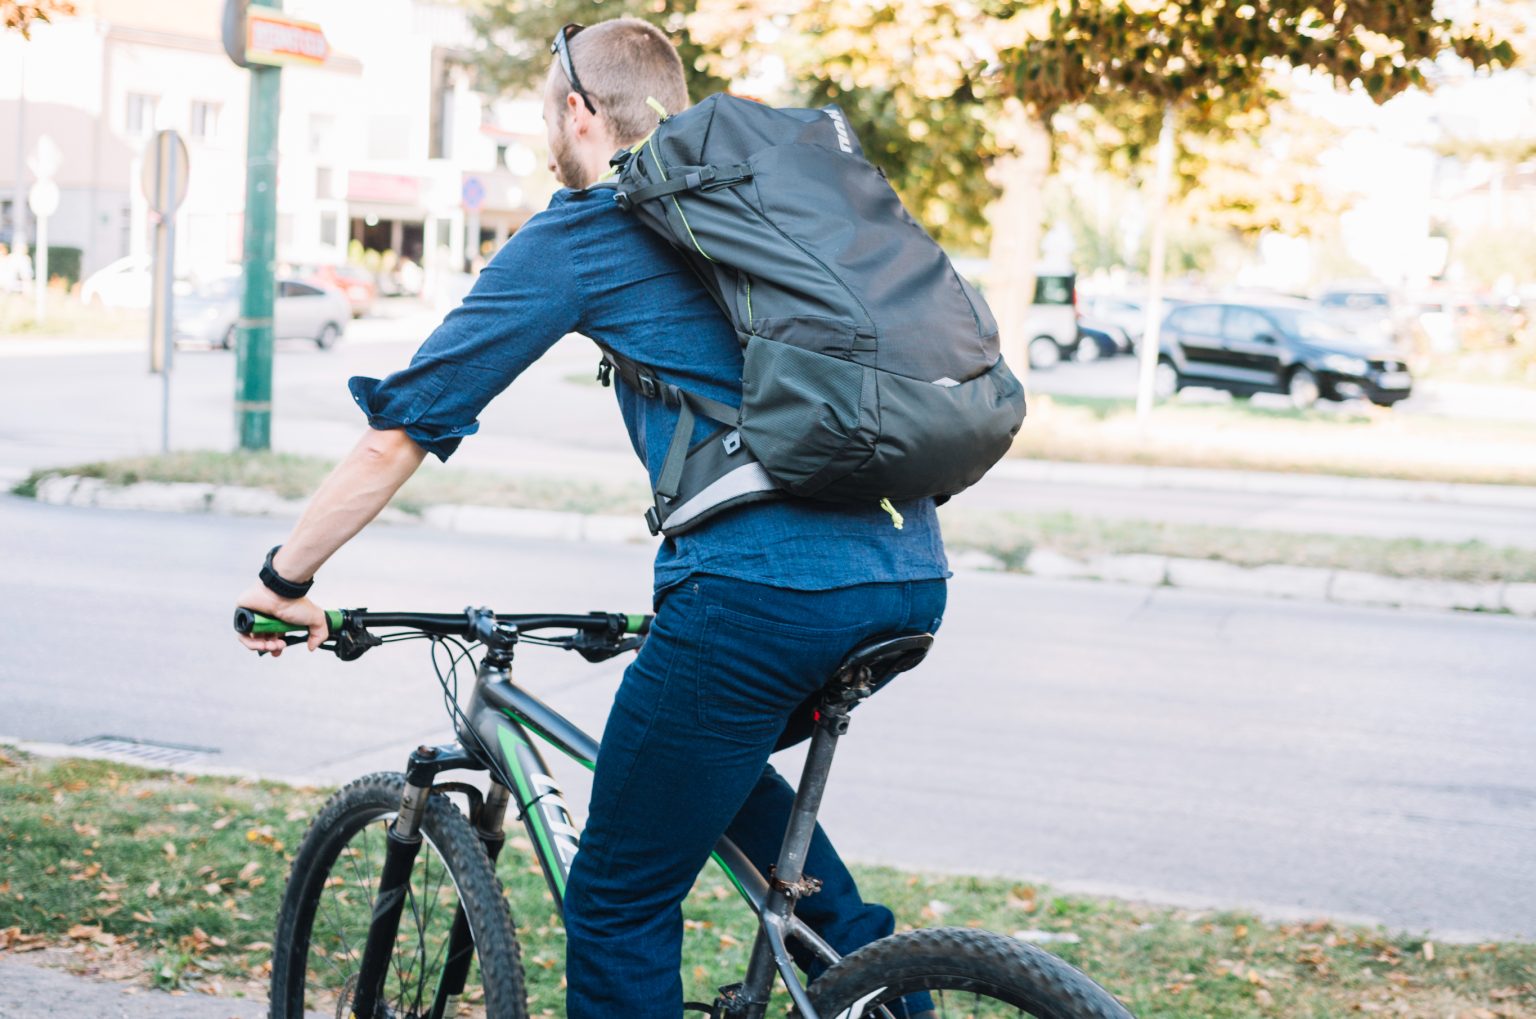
x=684, y=759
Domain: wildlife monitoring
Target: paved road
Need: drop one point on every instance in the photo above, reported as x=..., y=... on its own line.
x=1301, y=758
x=557, y=422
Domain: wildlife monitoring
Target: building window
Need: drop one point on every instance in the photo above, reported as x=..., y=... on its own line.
x=322, y=129
x=205, y=120
x=141, y=115
x=324, y=182
x=329, y=229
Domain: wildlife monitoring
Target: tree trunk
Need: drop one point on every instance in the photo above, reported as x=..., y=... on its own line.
x=1016, y=221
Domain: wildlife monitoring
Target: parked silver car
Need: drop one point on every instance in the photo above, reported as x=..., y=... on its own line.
x=303, y=311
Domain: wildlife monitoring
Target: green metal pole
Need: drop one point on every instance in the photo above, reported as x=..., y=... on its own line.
x=253, y=333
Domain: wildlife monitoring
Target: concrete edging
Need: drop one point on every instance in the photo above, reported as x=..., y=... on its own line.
x=1347, y=587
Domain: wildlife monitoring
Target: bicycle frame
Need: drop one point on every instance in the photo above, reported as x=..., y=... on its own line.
x=494, y=736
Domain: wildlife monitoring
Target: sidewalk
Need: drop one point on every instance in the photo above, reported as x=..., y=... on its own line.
x=30, y=991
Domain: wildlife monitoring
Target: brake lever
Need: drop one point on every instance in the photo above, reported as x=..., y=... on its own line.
x=603, y=652
x=290, y=639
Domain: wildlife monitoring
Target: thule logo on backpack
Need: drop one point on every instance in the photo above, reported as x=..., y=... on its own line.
x=838, y=122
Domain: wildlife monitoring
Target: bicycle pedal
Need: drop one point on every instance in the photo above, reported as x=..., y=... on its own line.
x=699, y=1006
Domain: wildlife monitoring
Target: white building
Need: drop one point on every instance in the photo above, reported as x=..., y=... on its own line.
x=377, y=146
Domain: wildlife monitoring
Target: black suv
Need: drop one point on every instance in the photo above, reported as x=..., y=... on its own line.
x=1290, y=348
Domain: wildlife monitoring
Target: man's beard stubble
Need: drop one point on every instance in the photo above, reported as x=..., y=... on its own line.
x=568, y=169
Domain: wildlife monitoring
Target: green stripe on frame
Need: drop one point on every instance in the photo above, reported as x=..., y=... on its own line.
x=509, y=745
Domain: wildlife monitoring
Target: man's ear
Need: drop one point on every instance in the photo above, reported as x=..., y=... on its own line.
x=577, y=110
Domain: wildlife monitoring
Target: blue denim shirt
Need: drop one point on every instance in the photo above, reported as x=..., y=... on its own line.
x=584, y=266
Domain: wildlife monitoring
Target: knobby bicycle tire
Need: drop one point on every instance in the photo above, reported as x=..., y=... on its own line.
x=330, y=879
x=971, y=973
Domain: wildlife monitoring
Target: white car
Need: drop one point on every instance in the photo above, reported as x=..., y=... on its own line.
x=302, y=311
x=124, y=284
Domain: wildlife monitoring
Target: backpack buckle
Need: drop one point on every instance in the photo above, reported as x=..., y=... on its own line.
x=649, y=386
x=605, y=372
x=653, y=520
x=731, y=442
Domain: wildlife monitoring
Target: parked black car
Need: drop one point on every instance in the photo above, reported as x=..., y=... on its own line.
x=1290, y=348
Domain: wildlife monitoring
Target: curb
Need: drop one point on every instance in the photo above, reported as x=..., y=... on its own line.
x=1264, y=482
x=1346, y=587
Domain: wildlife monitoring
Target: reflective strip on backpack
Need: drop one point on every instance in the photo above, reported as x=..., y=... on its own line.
x=744, y=480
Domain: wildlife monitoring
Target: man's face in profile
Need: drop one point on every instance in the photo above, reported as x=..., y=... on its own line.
x=563, y=161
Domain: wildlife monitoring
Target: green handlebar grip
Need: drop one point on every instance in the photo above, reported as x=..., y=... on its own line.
x=636, y=623
x=255, y=624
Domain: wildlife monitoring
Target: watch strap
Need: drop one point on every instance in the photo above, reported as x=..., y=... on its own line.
x=279, y=585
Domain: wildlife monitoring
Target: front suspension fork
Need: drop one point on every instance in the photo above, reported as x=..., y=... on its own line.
x=401, y=848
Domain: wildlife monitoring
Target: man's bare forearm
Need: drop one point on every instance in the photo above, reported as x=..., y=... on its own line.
x=354, y=493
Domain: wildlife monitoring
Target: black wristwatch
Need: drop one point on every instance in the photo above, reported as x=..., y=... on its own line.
x=279, y=586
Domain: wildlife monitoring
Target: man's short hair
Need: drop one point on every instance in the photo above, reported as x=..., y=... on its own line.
x=621, y=63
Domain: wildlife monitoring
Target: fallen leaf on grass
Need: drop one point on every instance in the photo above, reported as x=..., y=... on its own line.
x=169, y=849
x=12, y=940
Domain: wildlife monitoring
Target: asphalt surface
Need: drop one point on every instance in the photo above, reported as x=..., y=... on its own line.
x=29, y=991
x=556, y=422
x=1298, y=758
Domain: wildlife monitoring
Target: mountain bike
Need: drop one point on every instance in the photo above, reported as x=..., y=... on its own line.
x=371, y=926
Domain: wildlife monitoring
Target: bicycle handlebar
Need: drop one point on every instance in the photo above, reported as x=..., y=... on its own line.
x=598, y=631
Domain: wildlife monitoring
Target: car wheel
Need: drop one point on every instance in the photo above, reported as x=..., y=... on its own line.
x=1303, y=389
x=1242, y=397
x=1166, y=381
x=328, y=336
x=1387, y=404
x=1043, y=353
x=1087, y=350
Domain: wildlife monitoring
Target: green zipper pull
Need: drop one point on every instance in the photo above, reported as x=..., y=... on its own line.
x=655, y=104
x=897, y=520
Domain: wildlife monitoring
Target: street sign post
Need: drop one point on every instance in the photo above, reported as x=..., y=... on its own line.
x=473, y=194
x=43, y=200
x=166, y=169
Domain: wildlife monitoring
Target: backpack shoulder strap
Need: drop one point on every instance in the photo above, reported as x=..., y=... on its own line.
x=674, y=477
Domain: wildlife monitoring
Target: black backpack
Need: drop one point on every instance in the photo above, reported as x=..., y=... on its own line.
x=871, y=370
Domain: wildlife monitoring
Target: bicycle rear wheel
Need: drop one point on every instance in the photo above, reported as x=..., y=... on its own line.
x=328, y=906
x=968, y=973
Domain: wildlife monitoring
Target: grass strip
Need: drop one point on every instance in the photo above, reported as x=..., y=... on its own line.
x=1011, y=537
x=1237, y=435
x=1008, y=536
x=294, y=476
x=182, y=876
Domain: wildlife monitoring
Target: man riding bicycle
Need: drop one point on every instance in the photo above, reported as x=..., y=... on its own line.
x=754, y=608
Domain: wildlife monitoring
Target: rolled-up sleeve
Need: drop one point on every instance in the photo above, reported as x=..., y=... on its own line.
x=522, y=303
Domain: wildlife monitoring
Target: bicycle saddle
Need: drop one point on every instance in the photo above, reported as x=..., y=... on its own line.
x=885, y=656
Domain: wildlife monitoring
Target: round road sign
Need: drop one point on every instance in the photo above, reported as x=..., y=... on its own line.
x=43, y=198
x=473, y=193
x=165, y=172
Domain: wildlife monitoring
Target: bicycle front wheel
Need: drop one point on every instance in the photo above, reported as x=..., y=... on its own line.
x=328, y=906
x=971, y=973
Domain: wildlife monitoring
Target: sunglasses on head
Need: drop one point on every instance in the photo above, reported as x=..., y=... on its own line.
x=561, y=48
